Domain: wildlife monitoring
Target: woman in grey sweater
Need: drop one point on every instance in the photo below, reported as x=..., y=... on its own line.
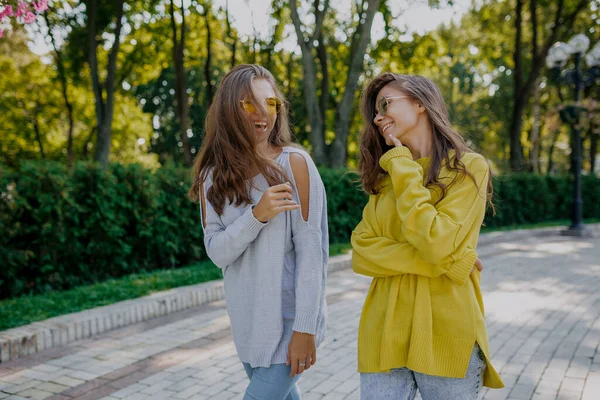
x=264, y=216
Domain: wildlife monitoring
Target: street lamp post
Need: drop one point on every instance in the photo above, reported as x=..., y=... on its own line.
x=556, y=60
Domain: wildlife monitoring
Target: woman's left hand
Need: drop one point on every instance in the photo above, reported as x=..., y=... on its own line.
x=302, y=352
x=394, y=140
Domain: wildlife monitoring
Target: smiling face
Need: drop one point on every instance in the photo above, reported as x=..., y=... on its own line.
x=264, y=94
x=401, y=116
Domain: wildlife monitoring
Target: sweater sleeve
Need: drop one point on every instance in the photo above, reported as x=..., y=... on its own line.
x=378, y=256
x=437, y=232
x=307, y=236
x=224, y=244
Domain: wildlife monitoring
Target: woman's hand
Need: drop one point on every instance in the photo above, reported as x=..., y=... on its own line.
x=274, y=200
x=478, y=265
x=302, y=352
x=394, y=140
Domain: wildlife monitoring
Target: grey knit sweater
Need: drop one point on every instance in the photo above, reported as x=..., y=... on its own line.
x=274, y=273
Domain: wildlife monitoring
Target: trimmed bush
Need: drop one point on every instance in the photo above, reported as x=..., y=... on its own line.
x=63, y=228
x=527, y=198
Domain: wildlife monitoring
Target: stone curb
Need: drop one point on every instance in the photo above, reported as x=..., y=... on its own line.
x=59, y=331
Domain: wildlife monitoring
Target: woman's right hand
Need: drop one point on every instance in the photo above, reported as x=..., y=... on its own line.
x=274, y=200
x=478, y=265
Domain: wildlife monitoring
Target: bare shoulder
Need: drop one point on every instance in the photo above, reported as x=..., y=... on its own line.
x=298, y=163
x=299, y=166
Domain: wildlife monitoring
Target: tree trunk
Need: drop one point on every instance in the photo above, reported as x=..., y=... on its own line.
x=207, y=64
x=104, y=110
x=322, y=55
x=233, y=39
x=535, y=131
x=181, y=95
x=524, y=88
x=92, y=15
x=84, y=148
x=288, y=89
x=36, y=128
x=551, y=151
x=344, y=110
x=593, y=145
x=317, y=133
x=519, y=105
x=253, y=48
x=62, y=77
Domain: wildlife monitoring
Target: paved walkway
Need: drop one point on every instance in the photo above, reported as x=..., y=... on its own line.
x=542, y=299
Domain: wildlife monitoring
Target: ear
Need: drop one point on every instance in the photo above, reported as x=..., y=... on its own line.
x=420, y=108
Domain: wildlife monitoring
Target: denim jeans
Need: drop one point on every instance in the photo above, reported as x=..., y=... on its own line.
x=273, y=383
x=402, y=383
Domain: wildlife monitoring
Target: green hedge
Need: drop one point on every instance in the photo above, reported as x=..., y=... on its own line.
x=61, y=228
x=528, y=198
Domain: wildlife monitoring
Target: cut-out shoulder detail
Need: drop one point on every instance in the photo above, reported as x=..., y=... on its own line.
x=302, y=179
x=203, y=204
x=294, y=150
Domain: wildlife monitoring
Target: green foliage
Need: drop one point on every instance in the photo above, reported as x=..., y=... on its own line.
x=63, y=229
x=528, y=198
x=345, y=201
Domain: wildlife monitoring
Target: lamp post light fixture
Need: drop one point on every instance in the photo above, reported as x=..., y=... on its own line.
x=557, y=58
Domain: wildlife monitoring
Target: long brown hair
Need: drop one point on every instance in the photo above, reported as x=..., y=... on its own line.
x=229, y=147
x=445, y=137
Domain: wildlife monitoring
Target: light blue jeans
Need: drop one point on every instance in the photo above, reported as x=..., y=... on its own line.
x=402, y=383
x=273, y=383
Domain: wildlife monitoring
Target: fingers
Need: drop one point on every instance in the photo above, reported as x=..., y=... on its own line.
x=479, y=265
x=291, y=207
x=395, y=140
x=284, y=202
x=301, y=365
x=281, y=192
x=283, y=197
x=294, y=368
x=284, y=187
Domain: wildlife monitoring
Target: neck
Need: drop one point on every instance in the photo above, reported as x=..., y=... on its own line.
x=263, y=147
x=419, y=139
x=267, y=150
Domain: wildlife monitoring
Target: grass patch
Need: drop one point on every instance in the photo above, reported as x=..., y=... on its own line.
x=27, y=309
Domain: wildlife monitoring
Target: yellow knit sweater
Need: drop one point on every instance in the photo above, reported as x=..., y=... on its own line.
x=424, y=309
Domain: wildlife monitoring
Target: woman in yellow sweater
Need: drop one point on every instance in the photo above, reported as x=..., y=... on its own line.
x=422, y=324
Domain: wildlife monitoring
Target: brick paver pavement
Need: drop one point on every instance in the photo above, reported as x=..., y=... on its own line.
x=542, y=299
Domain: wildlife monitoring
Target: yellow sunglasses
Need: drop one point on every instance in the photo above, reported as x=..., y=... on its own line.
x=384, y=103
x=273, y=105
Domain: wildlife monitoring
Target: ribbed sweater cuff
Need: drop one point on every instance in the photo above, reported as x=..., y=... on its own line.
x=461, y=269
x=306, y=322
x=250, y=225
x=394, y=153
